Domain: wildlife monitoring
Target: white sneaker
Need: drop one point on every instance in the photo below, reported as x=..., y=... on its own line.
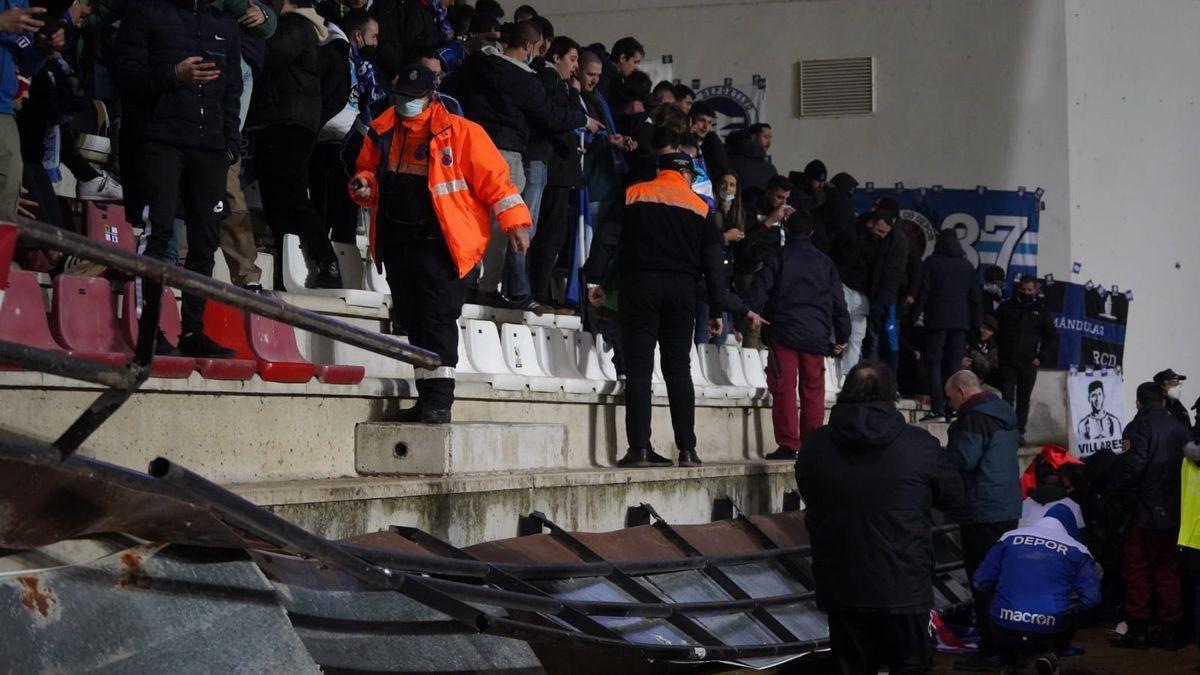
x=103, y=188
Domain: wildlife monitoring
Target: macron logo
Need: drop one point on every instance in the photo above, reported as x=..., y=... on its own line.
x=1038, y=541
x=1027, y=617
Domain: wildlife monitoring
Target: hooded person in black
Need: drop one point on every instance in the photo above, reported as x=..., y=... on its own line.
x=870, y=481
x=748, y=157
x=1027, y=340
x=809, y=197
x=837, y=213
x=949, y=301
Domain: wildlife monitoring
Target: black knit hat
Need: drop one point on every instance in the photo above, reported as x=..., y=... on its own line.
x=815, y=170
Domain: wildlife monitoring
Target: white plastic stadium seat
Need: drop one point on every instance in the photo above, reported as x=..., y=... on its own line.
x=320, y=349
x=374, y=280
x=520, y=353
x=831, y=379
x=556, y=354
x=754, y=368
x=703, y=386
x=658, y=383
x=487, y=356
x=715, y=370
x=587, y=361
x=296, y=267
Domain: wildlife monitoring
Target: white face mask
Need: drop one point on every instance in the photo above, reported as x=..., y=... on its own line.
x=727, y=198
x=410, y=107
x=1175, y=392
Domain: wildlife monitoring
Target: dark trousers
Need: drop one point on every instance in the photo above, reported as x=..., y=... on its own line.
x=863, y=642
x=945, y=351
x=1015, y=649
x=657, y=309
x=427, y=297
x=196, y=178
x=330, y=196
x=281, y=154
x=554, y=228
x=1152, y=575
x=1016, y=385
x=977, y=539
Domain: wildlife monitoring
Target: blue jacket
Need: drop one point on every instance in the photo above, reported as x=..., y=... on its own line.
x=1033, y=572
x=17, y=52
x=984, y=442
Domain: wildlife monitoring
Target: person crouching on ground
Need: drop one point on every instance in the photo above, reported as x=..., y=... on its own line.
x=1030, y=575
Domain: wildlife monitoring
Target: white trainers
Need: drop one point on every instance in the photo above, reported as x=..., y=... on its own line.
x=103, y=188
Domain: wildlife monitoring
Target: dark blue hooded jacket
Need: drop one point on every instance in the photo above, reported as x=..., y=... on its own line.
x=1034, y=570
x=984, y=441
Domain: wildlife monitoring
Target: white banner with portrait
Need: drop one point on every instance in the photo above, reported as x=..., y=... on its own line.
x=1097, y=410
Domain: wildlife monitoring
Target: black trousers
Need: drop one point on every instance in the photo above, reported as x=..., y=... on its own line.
x=427, y=297
x=196, y=178
x=977, y=539
x=1014, y=648
x=863, y=642
x=1016, y=385
x=945, y=350
x=330, y=194
x=554, y=228
x=281, y=154
x=658, y=309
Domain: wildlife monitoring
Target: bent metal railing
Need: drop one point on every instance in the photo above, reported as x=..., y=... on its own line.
x=124, y=382
x=513, y=600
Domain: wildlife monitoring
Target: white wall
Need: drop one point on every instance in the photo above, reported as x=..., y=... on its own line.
x=1134, y=170
x=970, y=92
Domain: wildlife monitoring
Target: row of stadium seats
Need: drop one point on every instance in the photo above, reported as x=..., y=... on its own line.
x=87, y=319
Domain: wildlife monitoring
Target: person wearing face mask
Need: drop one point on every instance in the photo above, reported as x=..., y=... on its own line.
x=993, y=289
x=1027, y=340
x=500, y=91
x=430, y=180
x=1172, y=388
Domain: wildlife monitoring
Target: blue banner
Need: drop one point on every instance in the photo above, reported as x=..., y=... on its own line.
x=1091, y=324
x=996, y=227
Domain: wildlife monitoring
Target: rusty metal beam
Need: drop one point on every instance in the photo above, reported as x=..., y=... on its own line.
x=64, y=365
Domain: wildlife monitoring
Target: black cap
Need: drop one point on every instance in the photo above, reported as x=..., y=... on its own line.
x=1168, y=374
x=888, y=204
x=989, y=322
x=415, y=81
x=676, y=161
x=815, y=170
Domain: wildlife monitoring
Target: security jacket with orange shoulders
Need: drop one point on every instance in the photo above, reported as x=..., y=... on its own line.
x=662, y=227
x=468, y=179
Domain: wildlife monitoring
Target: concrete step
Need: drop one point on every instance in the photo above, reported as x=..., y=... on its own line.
x=388, y=448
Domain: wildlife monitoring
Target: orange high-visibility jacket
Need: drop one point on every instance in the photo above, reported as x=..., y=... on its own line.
x=468, y=179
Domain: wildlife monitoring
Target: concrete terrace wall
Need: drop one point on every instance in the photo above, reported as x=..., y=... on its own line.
x=970, y=92
x=1135, y=160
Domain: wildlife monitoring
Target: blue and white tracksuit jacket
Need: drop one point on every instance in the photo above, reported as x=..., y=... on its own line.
x=1034, y=570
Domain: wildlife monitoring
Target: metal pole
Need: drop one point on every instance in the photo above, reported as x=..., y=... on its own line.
x=42, y=235
x=65, y=365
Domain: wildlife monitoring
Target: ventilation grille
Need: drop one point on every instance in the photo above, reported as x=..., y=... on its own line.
x=834, y=87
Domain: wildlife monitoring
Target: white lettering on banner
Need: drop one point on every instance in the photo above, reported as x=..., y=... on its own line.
x=1027, y=617
x=1017, y=225
x=1024, y=540
x=1081, y=325
x=508, y=203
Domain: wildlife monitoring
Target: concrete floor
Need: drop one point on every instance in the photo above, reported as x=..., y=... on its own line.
x=1099, y=658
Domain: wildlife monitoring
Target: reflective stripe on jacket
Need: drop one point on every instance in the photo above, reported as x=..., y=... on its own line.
x=468, y=179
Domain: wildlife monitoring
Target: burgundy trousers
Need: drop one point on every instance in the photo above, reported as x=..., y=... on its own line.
x=788, y=371
x=1152, y=573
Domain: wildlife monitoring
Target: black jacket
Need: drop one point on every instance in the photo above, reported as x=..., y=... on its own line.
x=813, y=204
x=506, y=99
x=662, y=227
x=642, y=162
x=155, y=36
x=891, y=271
x=716, y=157
x=798, y=291
x=1026, y=332
x=749, y=160
x=1179, y=412
x=563, y=165
x=289, y=89
x=333, y=68
x=856, y=254
x=949, y=295
x=837, y=213
x=869, y=482
x=1147, y=474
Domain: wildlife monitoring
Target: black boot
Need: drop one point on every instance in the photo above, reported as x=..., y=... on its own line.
x=436, y=398
x=164, y=348
x=689, y=458
x=784, y=453
x=1135, y=637
x=641, y=458
x=327, y=275
x=200, y=346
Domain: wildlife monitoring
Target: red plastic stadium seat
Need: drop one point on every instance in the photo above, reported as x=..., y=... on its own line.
x=169, y=322
x=229, y=327
x=277, y=341
x=106, y=223
x=83, y=318
x=23, y=314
